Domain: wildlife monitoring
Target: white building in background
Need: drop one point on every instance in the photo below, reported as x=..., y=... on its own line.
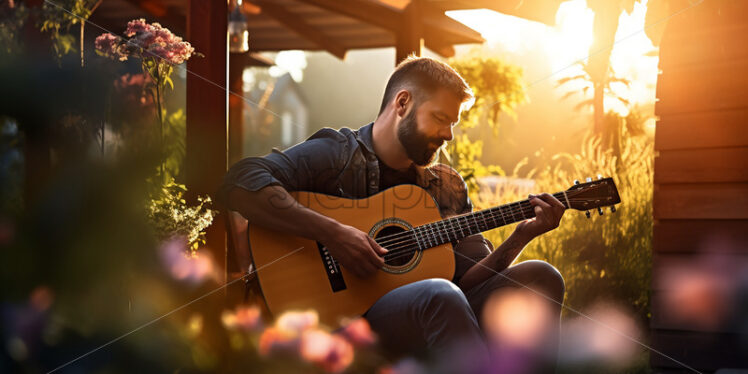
x=276, y=117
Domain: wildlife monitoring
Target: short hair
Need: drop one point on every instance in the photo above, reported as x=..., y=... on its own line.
x=422, y=76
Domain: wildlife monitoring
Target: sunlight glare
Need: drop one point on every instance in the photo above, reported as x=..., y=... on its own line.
x=571, y=39
x=291, y=62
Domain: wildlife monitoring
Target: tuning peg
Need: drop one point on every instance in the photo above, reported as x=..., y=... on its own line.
x=599, y=176
x=612, y=208
x=587, y=213
x=600, y=210
x=589, y=179
x=576, y=181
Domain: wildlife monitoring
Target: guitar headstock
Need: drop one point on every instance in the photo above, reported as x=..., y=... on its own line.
x=593, y=194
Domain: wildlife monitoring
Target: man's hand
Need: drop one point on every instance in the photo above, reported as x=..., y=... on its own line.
x=548, y=213
x=355, y=250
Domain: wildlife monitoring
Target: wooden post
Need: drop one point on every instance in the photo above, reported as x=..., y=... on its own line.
x=207, y=117
x=236, y=105
x=409, y=38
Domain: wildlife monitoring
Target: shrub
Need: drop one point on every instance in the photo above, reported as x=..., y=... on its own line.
x=603, y=258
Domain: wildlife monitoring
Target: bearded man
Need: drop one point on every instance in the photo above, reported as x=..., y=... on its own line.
x=421, y=105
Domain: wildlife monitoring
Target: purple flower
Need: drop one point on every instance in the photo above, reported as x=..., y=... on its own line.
x=146, y=41
x=107, y=44
x=135, y=26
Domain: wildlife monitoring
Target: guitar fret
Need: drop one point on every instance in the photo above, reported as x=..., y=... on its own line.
x=415, y=236
x=423, y=237
x=521, y=210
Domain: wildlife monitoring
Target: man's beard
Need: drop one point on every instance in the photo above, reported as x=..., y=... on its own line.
x=416, y=144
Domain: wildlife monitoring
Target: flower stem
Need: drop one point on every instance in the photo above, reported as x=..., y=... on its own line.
x=160, y=118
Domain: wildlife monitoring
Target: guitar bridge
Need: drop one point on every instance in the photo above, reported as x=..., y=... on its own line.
x=332, y=269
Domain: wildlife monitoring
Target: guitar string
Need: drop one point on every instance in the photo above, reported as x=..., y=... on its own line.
x=411, y=245
x=523, y=204
x=406, y=247
x=513, y=210
x=486, y=214
x=412, y=235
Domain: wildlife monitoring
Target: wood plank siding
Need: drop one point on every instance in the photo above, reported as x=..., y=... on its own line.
x=700, y=258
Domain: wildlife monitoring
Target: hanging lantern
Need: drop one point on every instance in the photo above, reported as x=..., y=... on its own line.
x=238, y=32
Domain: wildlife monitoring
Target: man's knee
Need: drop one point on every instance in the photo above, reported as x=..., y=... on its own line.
x=548, y=277
x=444, y=296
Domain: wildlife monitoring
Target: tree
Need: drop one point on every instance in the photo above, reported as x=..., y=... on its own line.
x=498, y=88
x=605, y=25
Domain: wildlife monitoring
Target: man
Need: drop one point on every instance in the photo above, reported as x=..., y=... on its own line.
x=422, y=102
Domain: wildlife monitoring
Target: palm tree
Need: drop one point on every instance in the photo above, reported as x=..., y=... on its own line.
x=604, y=27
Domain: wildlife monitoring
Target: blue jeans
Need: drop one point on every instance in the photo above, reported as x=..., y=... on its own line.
x=435, y=317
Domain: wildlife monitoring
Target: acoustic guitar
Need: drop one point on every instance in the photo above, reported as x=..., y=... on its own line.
x=299, y=273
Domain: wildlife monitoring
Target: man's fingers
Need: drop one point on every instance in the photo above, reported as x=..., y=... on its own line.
x=551, y=200
x=537, y=201
x=542, y=209
x=377, y=248
x=540, y=214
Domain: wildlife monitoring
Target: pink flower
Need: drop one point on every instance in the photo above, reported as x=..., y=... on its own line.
x=107, y=44
x=145, y=41
x=296, y=322
x=330, y=352
x=192, y=268
x=274, y=340
x=245, y=318
x=358, y=332
x=135, y=26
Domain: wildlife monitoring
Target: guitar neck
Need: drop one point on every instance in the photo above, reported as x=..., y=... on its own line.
x=458, y=227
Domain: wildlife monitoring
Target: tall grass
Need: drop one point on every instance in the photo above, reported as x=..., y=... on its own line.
x=605, y=258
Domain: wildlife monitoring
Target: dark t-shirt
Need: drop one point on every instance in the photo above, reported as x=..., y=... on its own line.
x=389, y=177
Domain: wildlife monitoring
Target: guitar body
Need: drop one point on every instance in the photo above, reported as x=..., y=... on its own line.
x=307, y=279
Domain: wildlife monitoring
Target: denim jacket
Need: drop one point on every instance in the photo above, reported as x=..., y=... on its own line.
x=343, y=163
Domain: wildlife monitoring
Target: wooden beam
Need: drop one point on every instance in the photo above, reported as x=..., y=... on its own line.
x=167, y=16
x=302, y=28
x=444, y=50
x=409, y=37
x=365, y=11
x=207, y=117
x=440, y=27
x=543, y=11
x=236, y=105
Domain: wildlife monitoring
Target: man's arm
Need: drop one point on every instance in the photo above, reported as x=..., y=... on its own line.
x=273, y=207
x=548, y=213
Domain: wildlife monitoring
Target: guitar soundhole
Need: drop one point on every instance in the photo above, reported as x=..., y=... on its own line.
x=398, y=255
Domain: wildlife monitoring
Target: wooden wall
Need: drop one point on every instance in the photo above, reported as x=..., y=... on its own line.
x=701, y=190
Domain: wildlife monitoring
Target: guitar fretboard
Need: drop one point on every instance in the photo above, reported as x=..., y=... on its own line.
x=458, y=227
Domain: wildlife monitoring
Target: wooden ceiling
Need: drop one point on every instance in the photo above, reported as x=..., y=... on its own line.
x=333, y=25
